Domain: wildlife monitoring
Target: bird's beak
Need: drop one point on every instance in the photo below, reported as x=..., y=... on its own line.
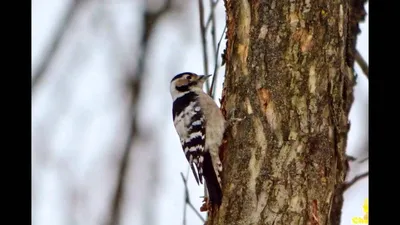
x=204, y=77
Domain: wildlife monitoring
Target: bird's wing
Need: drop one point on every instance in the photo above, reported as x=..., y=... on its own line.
x=191, y=130
x=194, y=144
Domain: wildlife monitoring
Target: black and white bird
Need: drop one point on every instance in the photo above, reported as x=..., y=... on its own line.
x=200, y=126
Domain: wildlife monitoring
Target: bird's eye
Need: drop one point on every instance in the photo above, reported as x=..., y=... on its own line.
x=189, y=77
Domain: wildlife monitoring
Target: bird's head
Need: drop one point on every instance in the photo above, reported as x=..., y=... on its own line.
x=185, y=82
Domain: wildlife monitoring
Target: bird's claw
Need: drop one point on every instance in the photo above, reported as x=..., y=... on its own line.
x=206, y=205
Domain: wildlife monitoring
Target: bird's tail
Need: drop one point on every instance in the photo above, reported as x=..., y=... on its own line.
x=213, y=186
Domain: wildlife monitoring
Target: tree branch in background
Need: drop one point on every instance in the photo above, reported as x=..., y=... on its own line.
x=357, y=15
x=214, y=39
x=55, y=44
x=354, y=180
x=363, y=160
x=361, y=62
x=186, y=195
x=350, y=158
x=204, y=42
x=216, y=66
x=188, y=202
x=149, y=21
x=338, y=199
x=210, y=17
x=213, y=27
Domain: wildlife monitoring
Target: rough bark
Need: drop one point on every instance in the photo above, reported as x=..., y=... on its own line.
x=289, y=76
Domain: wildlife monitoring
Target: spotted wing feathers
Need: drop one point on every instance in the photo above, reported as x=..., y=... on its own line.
x=194, y=145
x=190, y=125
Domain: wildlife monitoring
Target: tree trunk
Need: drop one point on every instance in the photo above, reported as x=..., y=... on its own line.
x=289, y=77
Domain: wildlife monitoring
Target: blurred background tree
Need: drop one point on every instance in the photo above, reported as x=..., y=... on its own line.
x=104, y=150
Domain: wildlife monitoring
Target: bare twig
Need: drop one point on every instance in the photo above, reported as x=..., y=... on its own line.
x=214, y=38
x=210, y=17
x=55, y=44
x=213, y=27
x=203, y=41
x=187, y=198
x=351, y=158
x=337, y=201
x=216, y=66
x=354, y=180
x=363, y=160
x=149, y=20
x=361, y=62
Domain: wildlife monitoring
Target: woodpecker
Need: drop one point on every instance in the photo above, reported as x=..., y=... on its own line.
x=200, y=126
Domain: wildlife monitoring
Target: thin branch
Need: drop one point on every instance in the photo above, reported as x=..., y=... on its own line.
x=363, y=160
x=213, y=5
x=354, y=180
x=214, y=38
x=55, y=44
x=213, y=27
x=149, y=20
x=216, y=66
x=337, y=201
x=186, y=196
x=187, y=199
x=203, y=41
x=351, y=158
x=361, y=62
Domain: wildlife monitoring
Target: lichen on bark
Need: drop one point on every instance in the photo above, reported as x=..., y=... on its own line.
x=289, y=75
